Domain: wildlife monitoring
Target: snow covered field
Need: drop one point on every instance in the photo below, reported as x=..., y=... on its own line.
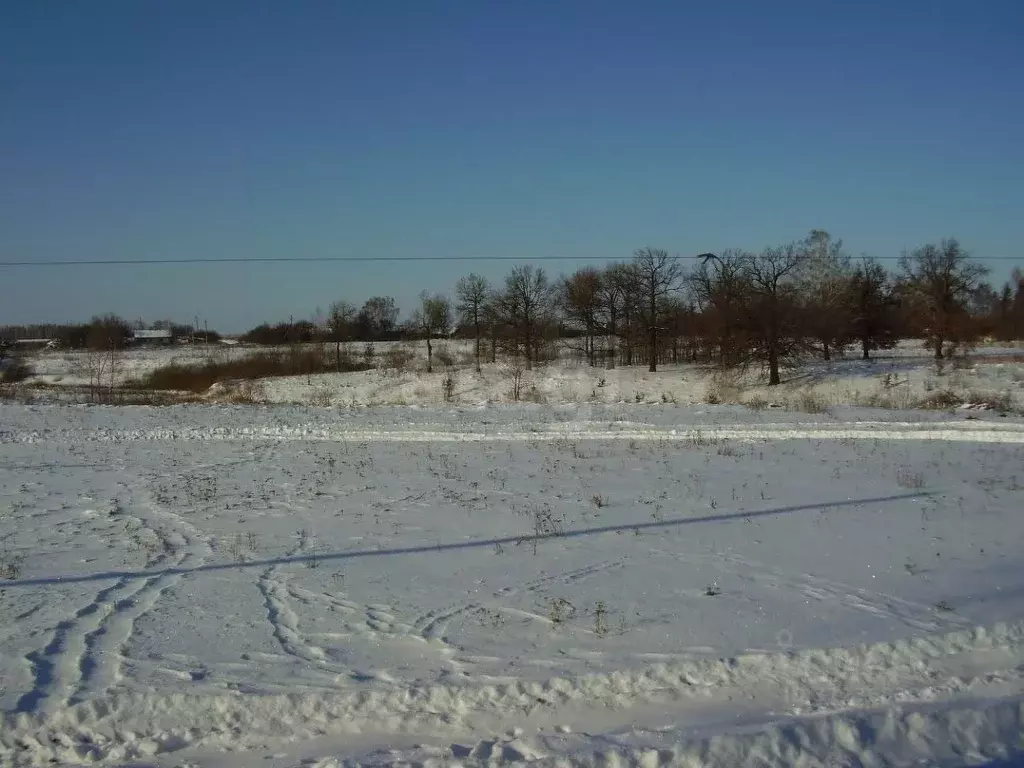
x=567, y=585
x=900, y=378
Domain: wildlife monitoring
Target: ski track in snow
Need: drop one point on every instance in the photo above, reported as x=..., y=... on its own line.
x=78, y=709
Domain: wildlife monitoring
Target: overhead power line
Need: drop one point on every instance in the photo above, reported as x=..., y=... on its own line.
x=355, y=259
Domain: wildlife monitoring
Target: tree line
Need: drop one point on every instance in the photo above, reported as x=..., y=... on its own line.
x=771, y=309
x=101, y=332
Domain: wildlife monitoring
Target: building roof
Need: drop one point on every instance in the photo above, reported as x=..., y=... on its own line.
x=151, y=333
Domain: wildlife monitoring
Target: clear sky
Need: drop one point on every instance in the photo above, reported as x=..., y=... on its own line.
x=532, y=128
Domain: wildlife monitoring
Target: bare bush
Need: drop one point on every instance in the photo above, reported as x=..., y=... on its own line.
x=298, y=360
x=515, y=371
x=320, y=397
x=397, y=359
x=448, y=385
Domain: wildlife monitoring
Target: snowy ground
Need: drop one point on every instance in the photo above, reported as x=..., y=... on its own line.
x=579, y=585
x=900, y=378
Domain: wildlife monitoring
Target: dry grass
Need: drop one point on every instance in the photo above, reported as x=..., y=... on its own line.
x=808, y=402
x=15, y=371
x=293, y=362
x=397, y=359
x=908, y=478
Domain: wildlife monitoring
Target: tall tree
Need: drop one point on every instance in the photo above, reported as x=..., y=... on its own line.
x=940, y=280
x=526, y=307
x=721, y=287
x=341, y=320
x=472, y=293
x=774, y=309
x=626, y=282
x=579, y=296
x=872, y=306
x=824, y=276
x=377, y=317
x=609, y=308
x=659, y=277
x=433, y=317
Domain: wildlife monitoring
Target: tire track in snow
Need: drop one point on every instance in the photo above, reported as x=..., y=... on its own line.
x=129, y=726
x=433, y=626
x=85, y=653
x=915, y=615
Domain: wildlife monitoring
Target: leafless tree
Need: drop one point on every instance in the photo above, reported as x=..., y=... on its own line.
x=433, y=317
x=580, y=298
x=526, y=307
x=824, y=277
x=609, y=308
x=720, y=286
x=341, y=321
x=627, y=302
x=774, y=309
x=377, y=317
x=872, y=308
x=939, y=280
x=659, y=276
x=472, y=293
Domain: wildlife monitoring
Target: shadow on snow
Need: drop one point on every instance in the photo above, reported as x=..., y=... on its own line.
x=322, y=557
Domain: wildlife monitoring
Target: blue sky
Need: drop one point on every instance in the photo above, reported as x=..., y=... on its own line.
x=583, y=129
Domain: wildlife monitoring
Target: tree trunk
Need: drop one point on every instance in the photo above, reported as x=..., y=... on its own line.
x=612, y=352
x=476, y=327
x=864, y=345
x=430, y=356
x=653, y=307
x=939, y=341
x=337, y=354
x=773, y=367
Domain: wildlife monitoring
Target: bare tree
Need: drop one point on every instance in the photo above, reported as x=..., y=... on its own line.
x=377, y=317
x=609, y=308
x=721, y=287
x=472, y=293
x=774, y=308
x=872, y=308
x=659, y=276
x=106, y=339
x=626, y=305
x=580, y=300
x=526, y=307
x=824, y=276
x=341, y=320
x=940, y=280
x=434, y=316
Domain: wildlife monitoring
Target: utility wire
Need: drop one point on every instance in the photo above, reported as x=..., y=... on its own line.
x=355, y=259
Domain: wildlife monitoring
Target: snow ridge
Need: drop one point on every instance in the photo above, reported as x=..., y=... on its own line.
x=129, y=726
x=968, y=431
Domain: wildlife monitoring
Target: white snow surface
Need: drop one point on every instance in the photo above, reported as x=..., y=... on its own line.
x=503, y=585
x=897, y=378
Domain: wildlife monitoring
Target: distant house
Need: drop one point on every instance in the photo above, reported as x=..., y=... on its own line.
x=152, y=336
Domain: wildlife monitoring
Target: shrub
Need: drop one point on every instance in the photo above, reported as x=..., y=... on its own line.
x=396, y=359
x=15, y=371
x=940, y=401
x=444, y=356
x=296, y=361
x=448, y=385
x=809, y=402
